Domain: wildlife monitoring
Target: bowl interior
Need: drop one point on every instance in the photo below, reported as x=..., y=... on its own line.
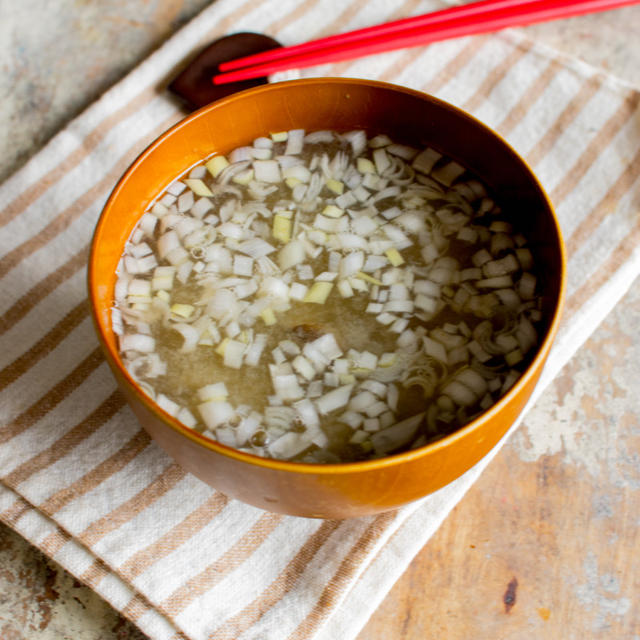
x=339, y=104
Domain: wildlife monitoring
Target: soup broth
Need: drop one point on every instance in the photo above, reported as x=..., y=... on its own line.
x=326, y=297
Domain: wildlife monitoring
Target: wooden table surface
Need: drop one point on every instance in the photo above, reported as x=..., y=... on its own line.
x=544, y=545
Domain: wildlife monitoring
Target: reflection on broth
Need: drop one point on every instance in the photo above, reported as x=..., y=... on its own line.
x=326, y=297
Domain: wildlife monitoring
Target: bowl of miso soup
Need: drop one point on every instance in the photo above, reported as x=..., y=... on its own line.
x=327, y=297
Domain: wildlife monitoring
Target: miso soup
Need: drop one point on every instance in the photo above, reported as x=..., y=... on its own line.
x=326, y=297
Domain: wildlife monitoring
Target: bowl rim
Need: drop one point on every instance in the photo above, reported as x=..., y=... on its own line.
x=307, y=468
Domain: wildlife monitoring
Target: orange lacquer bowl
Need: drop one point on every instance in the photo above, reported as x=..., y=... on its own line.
x=332, y=490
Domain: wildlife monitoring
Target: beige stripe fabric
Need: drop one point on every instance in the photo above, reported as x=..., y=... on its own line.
x=335, y=587
x=13, y=513
x=627, y=110
x=232, y=558
x=45, y=403
x=497, y=74
x=50, y=283
x=98, y=474
x=177, y=536
x=93, y=138
x=518, y=111
x=282, y=585
x=83, y=482
x=53, y=337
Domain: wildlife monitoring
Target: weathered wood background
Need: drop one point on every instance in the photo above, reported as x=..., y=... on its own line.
x=546, y=543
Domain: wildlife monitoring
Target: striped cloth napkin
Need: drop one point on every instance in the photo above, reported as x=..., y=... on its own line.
x=83, y=482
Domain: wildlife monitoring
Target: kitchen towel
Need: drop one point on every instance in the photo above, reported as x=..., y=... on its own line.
x=83, y=482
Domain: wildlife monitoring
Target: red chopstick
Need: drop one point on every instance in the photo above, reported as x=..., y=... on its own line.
x=379, y=30
x=490, y=17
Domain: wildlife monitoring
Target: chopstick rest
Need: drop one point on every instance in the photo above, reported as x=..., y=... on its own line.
x=193, y=85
